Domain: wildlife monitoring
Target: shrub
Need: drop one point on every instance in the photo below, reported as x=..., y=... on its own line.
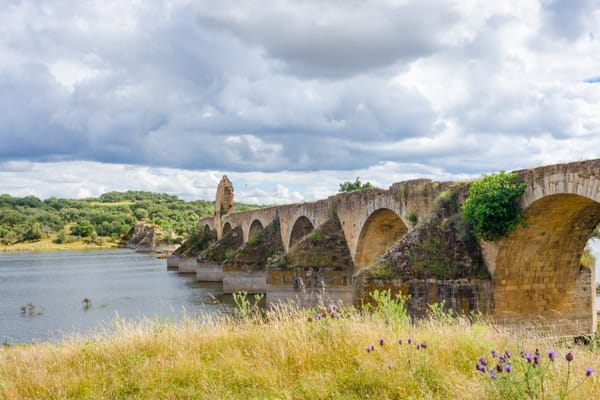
x=356, y=185
x=492, y=206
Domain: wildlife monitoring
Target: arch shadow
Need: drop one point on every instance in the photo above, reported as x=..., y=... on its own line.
x=382, y=229
x=537, y=271
x=302, y=227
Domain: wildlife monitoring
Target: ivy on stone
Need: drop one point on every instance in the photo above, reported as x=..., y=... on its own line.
x=492, y=206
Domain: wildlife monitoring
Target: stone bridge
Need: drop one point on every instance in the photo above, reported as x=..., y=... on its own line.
x=536, y=272
x=372, y=220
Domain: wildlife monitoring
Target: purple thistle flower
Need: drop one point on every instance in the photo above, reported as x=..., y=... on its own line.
x=481, y=360
x=588, y=371
x=527, y=357
x=492, y=375
x=408, y=340
x=494, y=354
x=389, y=366
x=418, y=346
x=551, y=355
x=507, y=368
x=480, y=368
x=318, y=316
x=536, y=359
x=506, y=354
x=569, y=357
x=400, y=341
x=368, y=348
x=372, y=347
x=501, y=358
x=381, y=342
x=499, y=368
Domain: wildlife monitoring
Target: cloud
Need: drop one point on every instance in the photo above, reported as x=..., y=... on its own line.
x=455, y=87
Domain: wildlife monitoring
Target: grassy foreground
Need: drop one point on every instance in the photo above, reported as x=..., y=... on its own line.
x=295, y=356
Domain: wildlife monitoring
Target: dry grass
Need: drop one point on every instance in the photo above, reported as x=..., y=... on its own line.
x=49, y=244
x=286, y=357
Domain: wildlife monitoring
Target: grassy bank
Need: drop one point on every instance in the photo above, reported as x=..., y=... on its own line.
x=49, y=244
x=292, y=356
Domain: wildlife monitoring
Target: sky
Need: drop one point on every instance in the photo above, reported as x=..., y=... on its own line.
x=290, y=97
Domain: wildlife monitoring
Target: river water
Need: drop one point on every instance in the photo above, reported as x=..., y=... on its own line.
x=118, y=282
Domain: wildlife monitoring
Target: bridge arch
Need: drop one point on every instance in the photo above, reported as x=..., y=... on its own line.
x=302, y=227
x=537, y=268
x=255, y=227
x=381, y=229
x=226, y=228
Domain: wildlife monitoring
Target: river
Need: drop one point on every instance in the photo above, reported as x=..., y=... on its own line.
x=118, y=282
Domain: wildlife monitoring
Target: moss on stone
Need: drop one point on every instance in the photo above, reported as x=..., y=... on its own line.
x=222, y=248
x=325, y=247
x=259, y=249
x=196, y=243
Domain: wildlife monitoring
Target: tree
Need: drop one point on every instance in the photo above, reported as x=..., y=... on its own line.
x=83, y=229
x=356, y=185
x=33, y=232
x=492, y=206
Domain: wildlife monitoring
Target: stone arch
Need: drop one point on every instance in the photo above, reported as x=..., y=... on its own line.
x=255, y=227
x=206, y=228
x=379, y=232
x=226, y=228
x=302, y=227
x=537, y=270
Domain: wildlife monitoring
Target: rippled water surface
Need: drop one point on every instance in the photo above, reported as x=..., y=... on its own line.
x=118, y=282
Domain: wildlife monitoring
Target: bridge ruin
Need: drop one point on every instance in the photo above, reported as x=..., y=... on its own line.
x=534, y=273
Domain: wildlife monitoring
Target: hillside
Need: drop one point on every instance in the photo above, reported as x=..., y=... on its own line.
x=29, y=223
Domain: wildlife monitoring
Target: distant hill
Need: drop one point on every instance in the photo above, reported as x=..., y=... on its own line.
x=109, y=218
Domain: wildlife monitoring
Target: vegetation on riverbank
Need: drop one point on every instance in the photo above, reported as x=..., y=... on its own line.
x=28, y=223
x=289, y=353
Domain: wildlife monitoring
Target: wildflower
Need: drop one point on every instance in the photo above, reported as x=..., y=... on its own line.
x=536, y=359
x=494, y=354
x=527, y=357
x=506, y=354
x=418, y=346
x=551, y=355
x=569, y=357
x=368, y=348
x=372, y=347
x=492, y=375
x=389, y=366
x=381, y=342
x=318, y=316
x=588, y=371
x=507, y=368
x=400, y=341
x=499, y=368
x=408, y=340
x=481, y=360
x=480, y=367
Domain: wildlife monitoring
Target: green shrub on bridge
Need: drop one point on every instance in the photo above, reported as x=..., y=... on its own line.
x=492, y=206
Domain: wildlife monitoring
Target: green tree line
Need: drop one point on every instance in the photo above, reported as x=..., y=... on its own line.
x=112, y=214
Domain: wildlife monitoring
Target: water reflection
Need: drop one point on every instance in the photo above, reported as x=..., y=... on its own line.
x=117, y=283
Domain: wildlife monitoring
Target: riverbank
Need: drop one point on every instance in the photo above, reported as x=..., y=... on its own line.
x=297, y=354
x=49, y=244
